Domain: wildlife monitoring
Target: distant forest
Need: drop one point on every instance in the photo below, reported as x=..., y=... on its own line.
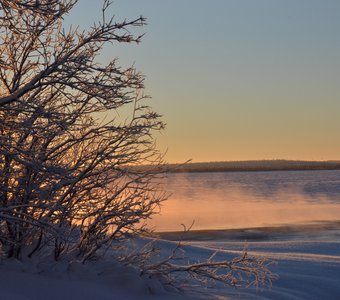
x=255, y=165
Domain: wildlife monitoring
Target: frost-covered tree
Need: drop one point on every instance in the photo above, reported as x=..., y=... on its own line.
x=68, y=148
x=70, y=151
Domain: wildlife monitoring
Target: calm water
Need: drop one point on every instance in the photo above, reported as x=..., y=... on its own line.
x=249, y=199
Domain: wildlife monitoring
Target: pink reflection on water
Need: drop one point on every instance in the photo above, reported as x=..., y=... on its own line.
x=216, y=209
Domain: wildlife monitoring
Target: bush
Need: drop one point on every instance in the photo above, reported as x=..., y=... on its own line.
x=67, y=146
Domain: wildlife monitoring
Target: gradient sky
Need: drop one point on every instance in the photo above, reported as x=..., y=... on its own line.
x=240, y=79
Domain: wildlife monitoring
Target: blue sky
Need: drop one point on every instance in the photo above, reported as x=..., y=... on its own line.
x=237, y=79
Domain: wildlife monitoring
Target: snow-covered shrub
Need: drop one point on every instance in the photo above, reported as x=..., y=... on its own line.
x=71, y=132
x=70, y=184
x=183, y=266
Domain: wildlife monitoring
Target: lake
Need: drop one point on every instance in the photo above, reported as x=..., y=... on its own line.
x=228, y=200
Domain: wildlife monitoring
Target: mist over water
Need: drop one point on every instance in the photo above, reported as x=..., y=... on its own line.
x=249, y=199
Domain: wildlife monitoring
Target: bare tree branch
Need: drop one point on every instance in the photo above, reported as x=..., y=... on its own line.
x=178, y=270
x=71, y=131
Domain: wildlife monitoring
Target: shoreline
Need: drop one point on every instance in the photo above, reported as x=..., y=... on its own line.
x=234, y=170
x=254, y=233
x=253, y=166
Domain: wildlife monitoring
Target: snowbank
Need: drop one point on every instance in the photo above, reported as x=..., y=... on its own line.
x=308, y=264
x=100, y=280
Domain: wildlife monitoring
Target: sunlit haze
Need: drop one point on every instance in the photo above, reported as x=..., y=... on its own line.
x=237, y=80
x=245, y=202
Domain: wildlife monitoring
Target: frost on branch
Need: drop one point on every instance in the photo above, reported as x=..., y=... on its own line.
x=71, y=132
x=178, y=270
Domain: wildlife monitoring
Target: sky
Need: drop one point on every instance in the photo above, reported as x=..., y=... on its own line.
x=237, y=79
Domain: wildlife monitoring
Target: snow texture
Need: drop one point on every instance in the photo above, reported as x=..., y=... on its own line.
x=308, y=265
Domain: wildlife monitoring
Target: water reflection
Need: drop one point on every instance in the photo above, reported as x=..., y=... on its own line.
x=249, y=199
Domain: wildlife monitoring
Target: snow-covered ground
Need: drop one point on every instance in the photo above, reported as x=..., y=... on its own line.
x=100, y=280
x=307, y=262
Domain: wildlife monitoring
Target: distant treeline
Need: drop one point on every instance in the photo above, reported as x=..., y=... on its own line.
x=254, y=165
